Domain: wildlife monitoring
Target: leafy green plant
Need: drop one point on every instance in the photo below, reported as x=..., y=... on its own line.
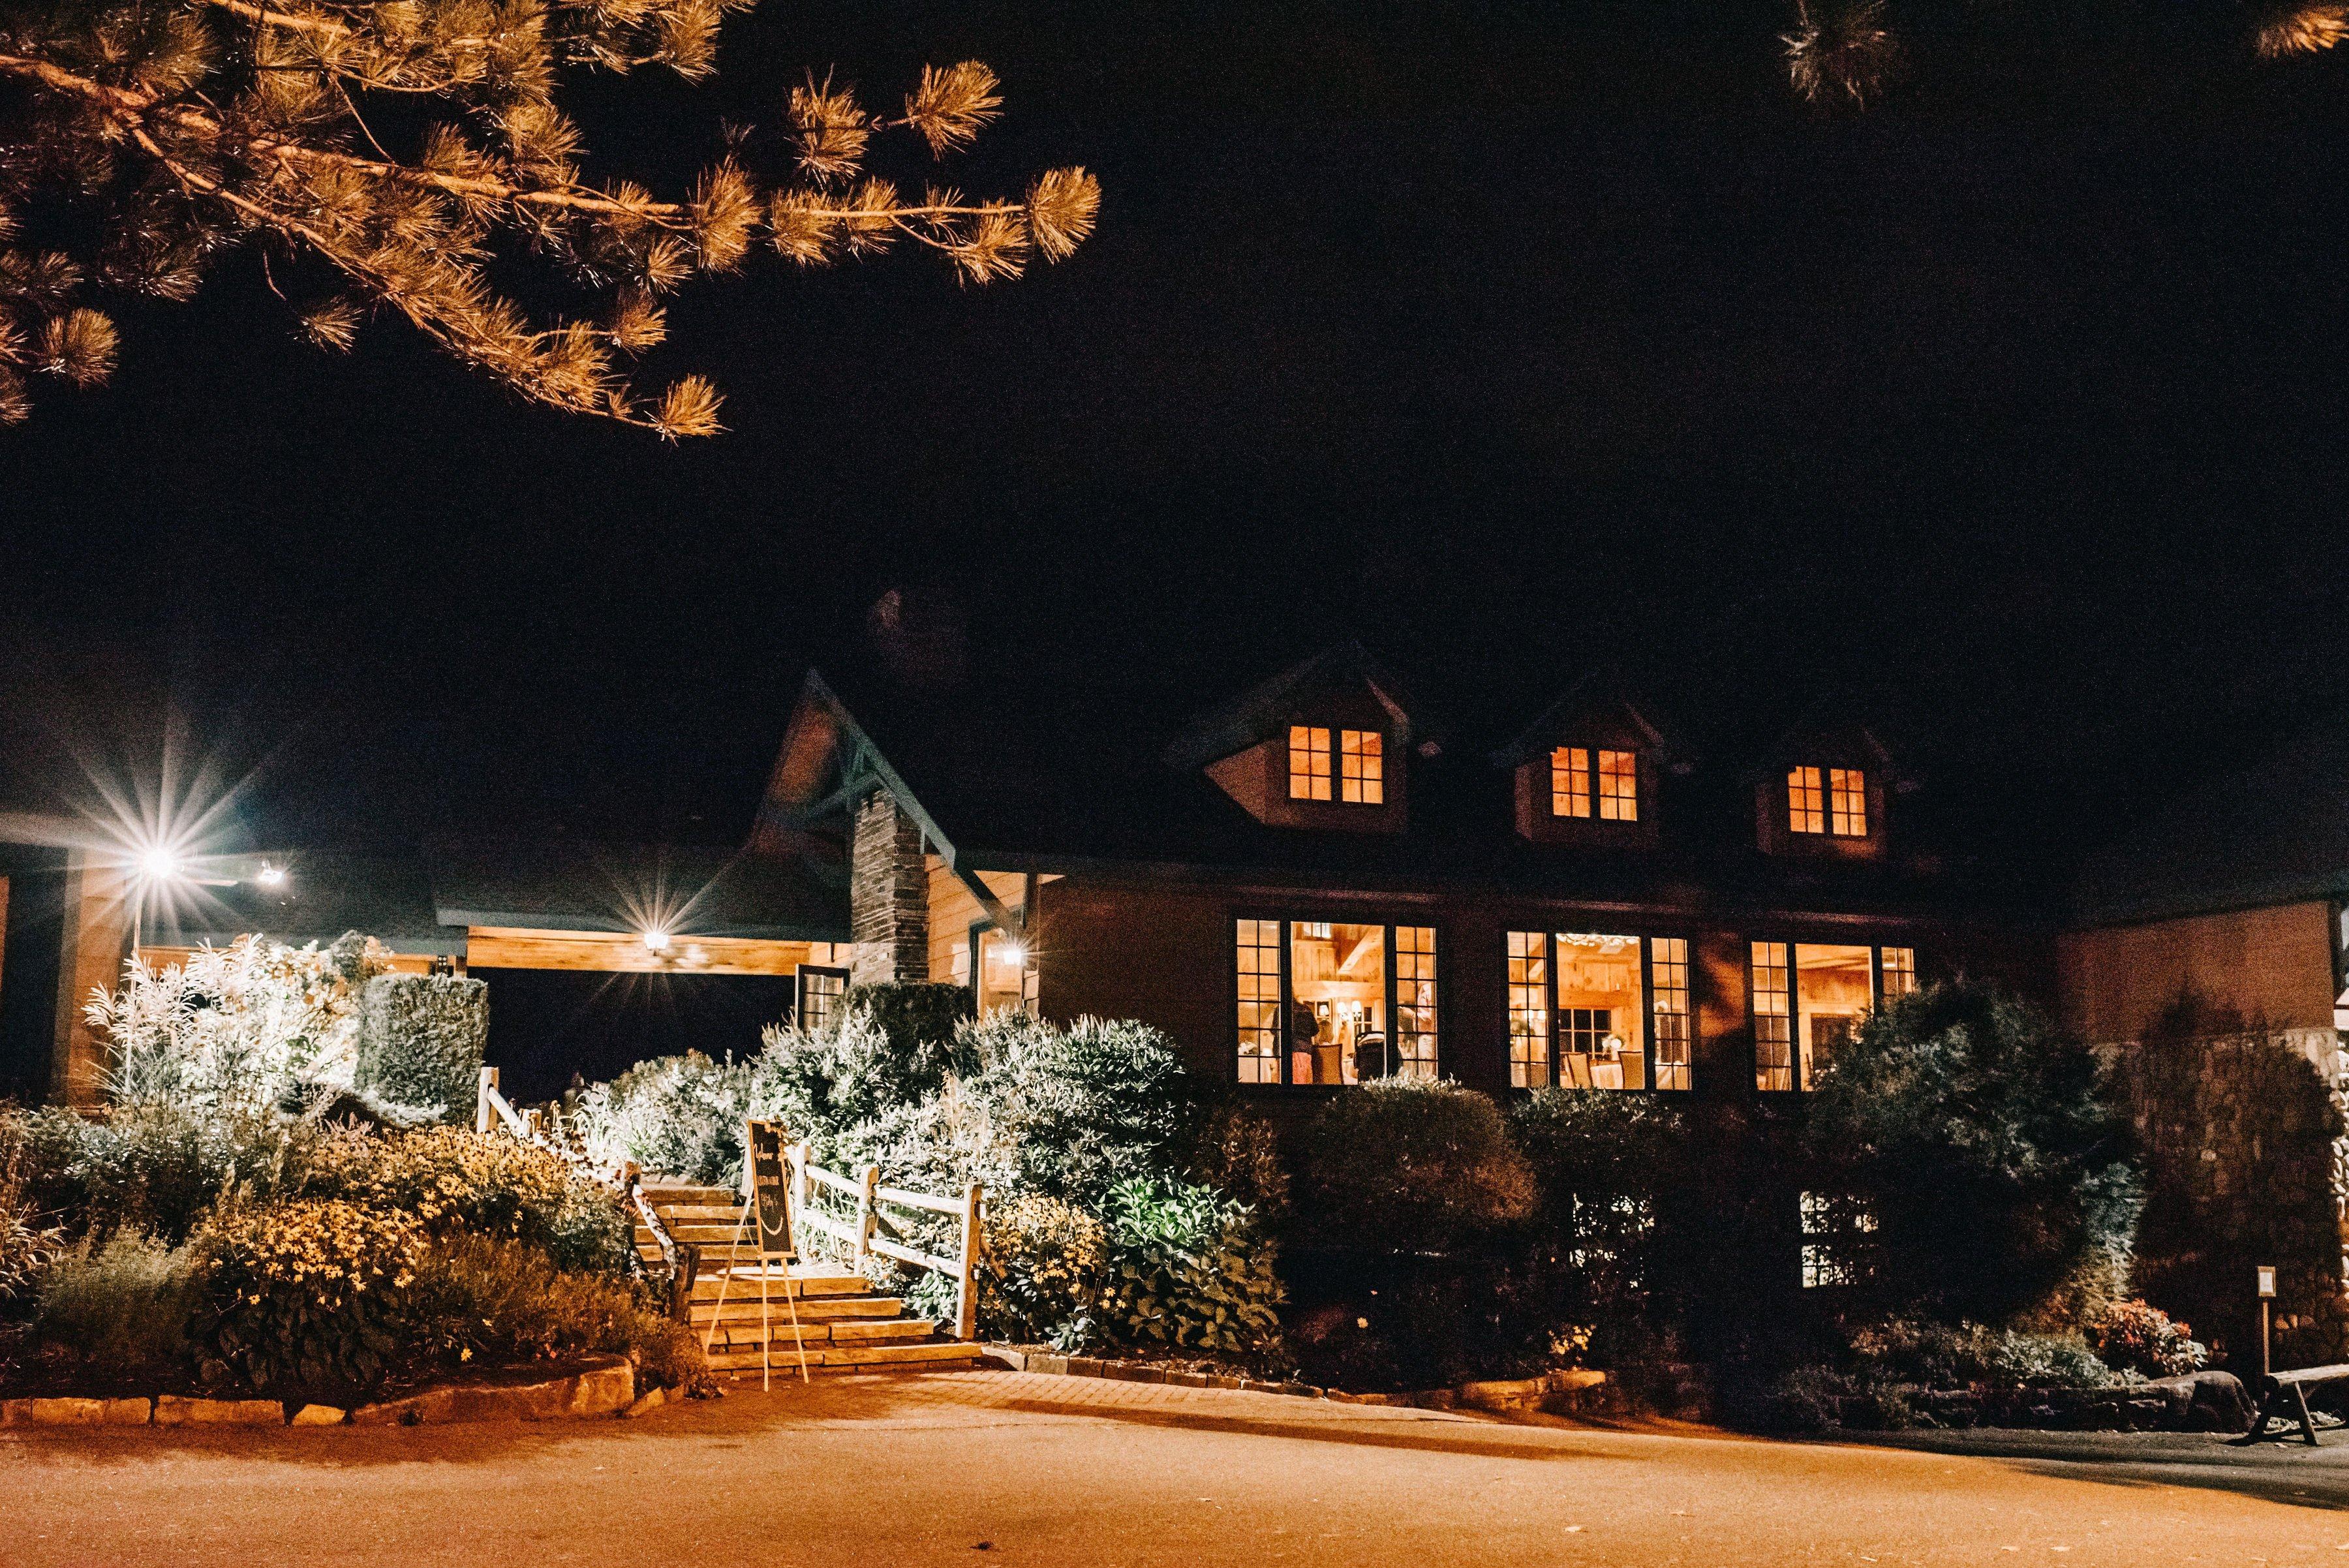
x=1239, y=1156
x=1188, y=1269
x=1046, y=1269
x=420, y=1041
x=307, y=1294
x=27, y=1246
x=120, y=1305
x=159, y=1166
x=1987, y=1146
x=476, y=1296
x=1412, y=1165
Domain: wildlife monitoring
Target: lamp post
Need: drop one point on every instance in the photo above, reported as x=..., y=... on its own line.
x=2267, y=1295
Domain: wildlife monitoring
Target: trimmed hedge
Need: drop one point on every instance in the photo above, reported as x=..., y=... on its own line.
x=422, y=1039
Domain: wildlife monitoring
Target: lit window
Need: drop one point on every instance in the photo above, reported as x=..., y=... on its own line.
x=1259, y=1002
x=1899, y=970
x=820, y=990
x=1668, y=969
x=1569, y=781
x=1309, y=763
x=1361, y=763
x=1619, y=786
x=1836, y=1240
x=1528, y=1010
x=1848, y=802
x=1805, y=801
x=1415, y=1002
x=1774, y=1021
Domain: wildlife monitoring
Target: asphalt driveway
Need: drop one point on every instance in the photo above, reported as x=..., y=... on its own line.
x=1067, y=1471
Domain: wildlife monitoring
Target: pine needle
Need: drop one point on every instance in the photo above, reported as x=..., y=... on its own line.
x=1062, y=206
x=15, y=403
x=332, y=325
x=830, y=132
x=725, y=209
x=2301, y=30
x=689, y=407
x=952, y=105
x=1840, y=50
x=637, y=323
x=78, y=345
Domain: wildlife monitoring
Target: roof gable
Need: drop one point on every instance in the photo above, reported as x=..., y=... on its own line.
x=1600, y=692
x=1266, y=709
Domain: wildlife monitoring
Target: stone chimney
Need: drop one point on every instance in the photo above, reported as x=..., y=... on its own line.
x=888, y=893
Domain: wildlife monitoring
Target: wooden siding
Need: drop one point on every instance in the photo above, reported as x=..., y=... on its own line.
x=2272, y=966
x=954, y=910
x=621, y=952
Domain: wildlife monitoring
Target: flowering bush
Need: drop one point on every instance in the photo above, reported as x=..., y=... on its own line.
x=484, y=1296
x=308, y=1294
x=1046, y=1266
x=244, y=1024
x=2135, y=1336
x=452, y=1179
x=160, y=1165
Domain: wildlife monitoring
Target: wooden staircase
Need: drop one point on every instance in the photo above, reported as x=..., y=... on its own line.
x=844, y=1324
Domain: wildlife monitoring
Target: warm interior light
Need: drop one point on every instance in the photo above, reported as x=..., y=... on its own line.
x=656, y=941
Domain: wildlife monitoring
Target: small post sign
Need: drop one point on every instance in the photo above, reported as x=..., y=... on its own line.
x=2267, y=1294
x=770, y=1193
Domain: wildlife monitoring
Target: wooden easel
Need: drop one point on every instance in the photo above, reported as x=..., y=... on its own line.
x=766, y=1196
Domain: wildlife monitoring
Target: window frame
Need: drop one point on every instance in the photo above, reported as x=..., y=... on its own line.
x=1795, y=1065
x=798, y=990
x=1329, y=755
x=1283, y=1055
x=1585, y=785
x=1826, y=812
x=1554, y=1014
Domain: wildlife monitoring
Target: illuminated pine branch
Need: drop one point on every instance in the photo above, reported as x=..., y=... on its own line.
x=195, y=128
x=2299, y=29
x=1840, y=52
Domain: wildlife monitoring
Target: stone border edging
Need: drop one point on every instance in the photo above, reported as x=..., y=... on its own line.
x=605, y=1387
x=1570, y=1387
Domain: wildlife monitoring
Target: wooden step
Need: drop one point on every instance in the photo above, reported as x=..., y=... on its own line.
x=777, y=1331
x=736, y=1282
x=936, y=1355
x=675, y=1214
x=739, y=1307
x=659, y=1192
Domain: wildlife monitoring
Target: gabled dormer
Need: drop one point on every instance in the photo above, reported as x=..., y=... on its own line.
x=1589, y=771
x=1325, y=744
x=1826, y=790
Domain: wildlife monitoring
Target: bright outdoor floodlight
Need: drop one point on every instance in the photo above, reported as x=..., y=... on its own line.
x=655, y=940
x=270, y=875
x=160, y=864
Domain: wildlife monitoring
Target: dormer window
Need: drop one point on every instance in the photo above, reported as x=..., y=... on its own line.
x=1356, y=765
x=1827, y=801
x=1611, y=792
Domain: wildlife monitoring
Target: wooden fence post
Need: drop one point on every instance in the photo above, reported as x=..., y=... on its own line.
x=866, y=1211
x=802, y=1188
x=966, y=1293
x=482, y=1115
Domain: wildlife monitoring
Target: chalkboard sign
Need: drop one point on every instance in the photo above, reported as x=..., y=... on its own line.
x=770, y=1194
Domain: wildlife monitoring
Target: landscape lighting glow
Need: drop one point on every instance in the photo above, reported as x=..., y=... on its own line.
x=656, y=941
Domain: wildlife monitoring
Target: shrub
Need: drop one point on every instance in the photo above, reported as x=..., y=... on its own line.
x=159, y=1166
x=1188, y=1269
x=420, y=1041
x=121, y=1304
x=308, y=1294
x=235, y=1025
x=823, y=1086
x=1080, y=1110
x=1046, y=1268
x=1410, y=1165
x=2045, y=1360
x=1985, y=1145
x=453, y=1178
x=1239, y=1156
x=675, y=1115
x=1612, y=1171
x=478, y=1295
x=920, y=1019
x=2134, y=1337
x=27, y=1246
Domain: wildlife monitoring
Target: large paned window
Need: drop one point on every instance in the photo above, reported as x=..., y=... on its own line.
x=1896, y=972
x=1528, y=1010
x=1414, y=1030
x=1259, y=1002
x=1610, y=792
x=1846, y=803
x=1806, y=802
x=1356, y=765
x=1839, y=1241
x=1335, y=1002
x=1003, y=977
x=1811, y=998
x=1774, y=1019
x=820, y=990
x=1309, y=763
x=1580, y=1011
x=1668, y=973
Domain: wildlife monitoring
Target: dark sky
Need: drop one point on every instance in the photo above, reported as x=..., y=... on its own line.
x=1504, y=336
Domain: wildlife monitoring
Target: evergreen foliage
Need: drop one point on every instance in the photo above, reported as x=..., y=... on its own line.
x=385, y=157
x=1985, y=1143
x=1413, y=1165
x=420, y=1041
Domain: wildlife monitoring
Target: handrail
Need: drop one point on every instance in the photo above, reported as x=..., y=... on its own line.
x=872, y=1232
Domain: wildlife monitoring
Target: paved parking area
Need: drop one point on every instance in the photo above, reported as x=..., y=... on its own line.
x=1074, y=1471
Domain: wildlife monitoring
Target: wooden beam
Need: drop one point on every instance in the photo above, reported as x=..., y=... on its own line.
x=624, y=952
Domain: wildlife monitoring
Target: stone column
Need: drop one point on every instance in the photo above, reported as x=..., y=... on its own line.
x=888, y=893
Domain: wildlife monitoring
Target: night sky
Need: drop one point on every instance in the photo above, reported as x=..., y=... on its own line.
x=1506, y=337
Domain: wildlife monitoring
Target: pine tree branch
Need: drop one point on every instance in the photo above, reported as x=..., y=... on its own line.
x=320, y=26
